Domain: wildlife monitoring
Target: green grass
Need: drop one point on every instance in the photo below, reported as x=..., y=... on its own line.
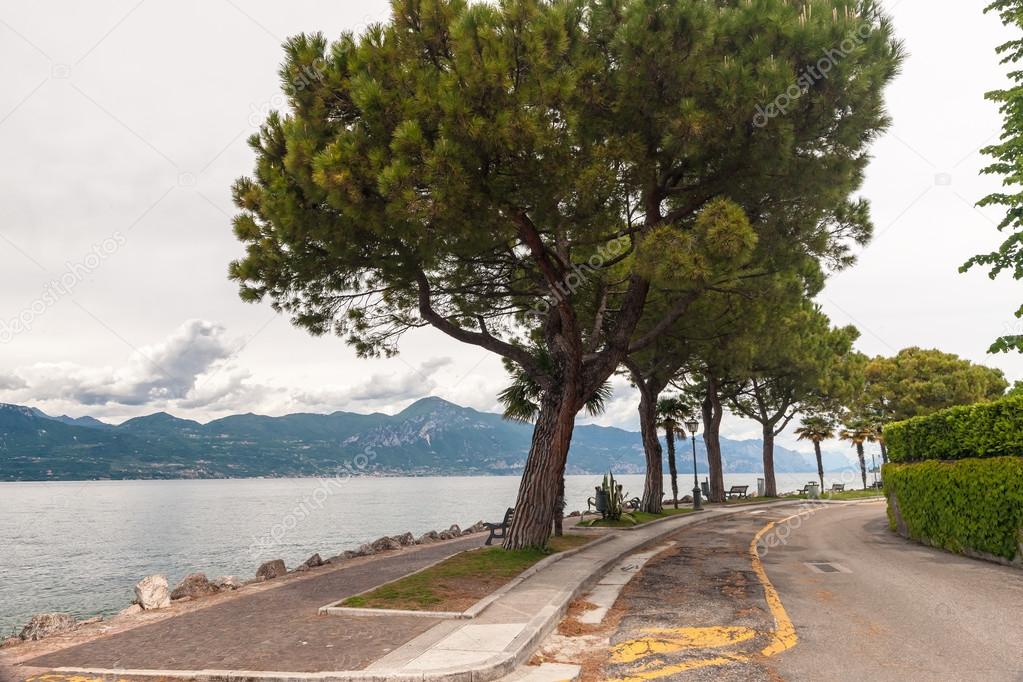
x=460, y=581
x=853, y=494
x=634, y=518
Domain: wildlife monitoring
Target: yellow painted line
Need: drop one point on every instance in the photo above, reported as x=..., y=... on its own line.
x=668, y=640
x=784, y=634
x=673, y=640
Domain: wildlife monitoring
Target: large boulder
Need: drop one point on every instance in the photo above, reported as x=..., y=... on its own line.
x=365, y=550
x=47, y=624
x=313, y=561
x=194, y=586
x=406, y=540
x=428, y=537
x=477, y=527
x=152, y=593
x=384, y=544
x=271, y=569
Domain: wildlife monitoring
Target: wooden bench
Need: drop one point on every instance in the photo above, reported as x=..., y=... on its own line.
x=500, y=530
x=737, y=491
x=837, y=488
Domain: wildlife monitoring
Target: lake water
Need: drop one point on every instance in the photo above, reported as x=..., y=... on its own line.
x=79, y=547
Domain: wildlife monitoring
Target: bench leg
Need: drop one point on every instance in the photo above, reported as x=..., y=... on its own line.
x=490, y=538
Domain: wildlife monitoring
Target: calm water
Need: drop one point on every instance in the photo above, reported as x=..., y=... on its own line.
x=81, y=546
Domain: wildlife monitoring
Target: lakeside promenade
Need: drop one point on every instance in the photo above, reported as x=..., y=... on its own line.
x=591, y=614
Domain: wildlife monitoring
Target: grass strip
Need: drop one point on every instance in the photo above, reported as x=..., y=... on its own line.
x=457, y=583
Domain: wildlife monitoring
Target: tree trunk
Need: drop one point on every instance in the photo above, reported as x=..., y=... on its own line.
x=669, y=439
x=712, y=414
x=820, y=462
x=770, y=485
x=863, y=464
x=559, y=510
x=544, y=472
x=653, y=486
x=884, y=451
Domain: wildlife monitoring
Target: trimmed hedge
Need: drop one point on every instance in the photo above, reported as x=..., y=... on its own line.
x=983, y=430
x=973, y=505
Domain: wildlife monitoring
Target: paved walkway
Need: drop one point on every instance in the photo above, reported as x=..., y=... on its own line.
x=273, y=630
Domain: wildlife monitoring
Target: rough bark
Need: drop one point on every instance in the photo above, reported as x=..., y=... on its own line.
x=669, y=440
x=712, y=415
x=653, y=485
x=820, y=462
x=863, y=464
x=559, y=510
x=884, y=452
x=770, y=485
x=545, y=469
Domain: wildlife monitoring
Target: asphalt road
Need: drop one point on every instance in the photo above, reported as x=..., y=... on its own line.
x=893, y=610
x=829, y=594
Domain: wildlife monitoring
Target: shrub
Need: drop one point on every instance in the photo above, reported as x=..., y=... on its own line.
x=983, y=430
x=973, y=504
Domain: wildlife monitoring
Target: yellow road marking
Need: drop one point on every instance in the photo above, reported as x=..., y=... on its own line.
x=669, y=640
x=784, y=634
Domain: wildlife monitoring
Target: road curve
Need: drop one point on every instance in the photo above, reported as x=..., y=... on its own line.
x=877, y=607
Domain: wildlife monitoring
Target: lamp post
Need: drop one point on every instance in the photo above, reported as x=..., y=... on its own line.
x=693, y=425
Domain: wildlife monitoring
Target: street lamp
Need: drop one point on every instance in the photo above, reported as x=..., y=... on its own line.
x=693, y=425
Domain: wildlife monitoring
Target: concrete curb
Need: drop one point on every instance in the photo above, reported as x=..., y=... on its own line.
x=514, y=654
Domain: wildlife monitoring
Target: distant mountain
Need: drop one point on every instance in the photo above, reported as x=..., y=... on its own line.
x=430, y=437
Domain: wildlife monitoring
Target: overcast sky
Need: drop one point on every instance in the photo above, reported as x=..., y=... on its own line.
x=123, y=124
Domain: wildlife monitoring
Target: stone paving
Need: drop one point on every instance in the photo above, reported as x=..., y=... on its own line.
x=273, y=630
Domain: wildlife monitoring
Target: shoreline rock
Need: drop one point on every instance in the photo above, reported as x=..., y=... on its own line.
x=193, y=586
x=44, y=625
x=269, y=570
x=151, y=593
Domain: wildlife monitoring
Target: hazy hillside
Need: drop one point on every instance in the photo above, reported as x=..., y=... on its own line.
x=431, y=436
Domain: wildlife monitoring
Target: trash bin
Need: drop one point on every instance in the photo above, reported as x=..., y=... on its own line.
x=761, y=487
x=813, y=491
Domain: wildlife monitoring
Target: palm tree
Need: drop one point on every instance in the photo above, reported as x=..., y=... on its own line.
x=670, y=412
x=521, y=402
x=817, y=428
x=858, y=431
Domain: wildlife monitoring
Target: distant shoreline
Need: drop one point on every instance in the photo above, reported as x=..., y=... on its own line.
x=681, y=476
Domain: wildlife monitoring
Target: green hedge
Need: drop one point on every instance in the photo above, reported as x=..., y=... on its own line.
x=983, y=430
x=973, y=504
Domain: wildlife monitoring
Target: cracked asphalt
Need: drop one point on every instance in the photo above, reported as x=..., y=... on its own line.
x=830, y=594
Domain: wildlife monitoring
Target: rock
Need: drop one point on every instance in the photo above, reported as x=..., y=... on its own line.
x=271, y=569
x=47, y=624
x=384, y=544
x=313, y=561
x=428, y=537
x=477, y=527
x=301, y=568
x=365, y=550
x=10, y=641
x=455, y=530
x=151, y=593
x=226, y=582
x=194, y=585
x=574, y=514
x=448, y=534
x=343, y=556
x=132, y=610
x=90, y=621
x=406, y=540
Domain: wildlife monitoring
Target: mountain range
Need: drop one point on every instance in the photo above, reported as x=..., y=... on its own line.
x=430, y=437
